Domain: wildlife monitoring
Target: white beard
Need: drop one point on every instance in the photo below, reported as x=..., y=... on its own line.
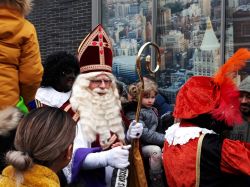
x=99, y=114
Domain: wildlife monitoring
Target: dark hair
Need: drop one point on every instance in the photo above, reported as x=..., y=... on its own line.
x=207, y=121
x=41, y=137
x=55, y=64
x=119, y=88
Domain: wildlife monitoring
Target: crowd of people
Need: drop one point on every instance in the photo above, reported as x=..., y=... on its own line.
x=65, y=122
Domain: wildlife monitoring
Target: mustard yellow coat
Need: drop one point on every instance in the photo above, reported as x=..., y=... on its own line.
x=20, y=60
x=37, y=176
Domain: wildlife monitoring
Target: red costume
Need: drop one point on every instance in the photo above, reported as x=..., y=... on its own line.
x=195, y=153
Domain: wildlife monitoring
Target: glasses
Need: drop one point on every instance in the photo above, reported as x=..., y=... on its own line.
x=98, y=82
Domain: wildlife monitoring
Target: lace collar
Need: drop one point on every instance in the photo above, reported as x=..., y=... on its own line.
x=181, y=135
x=49, y=96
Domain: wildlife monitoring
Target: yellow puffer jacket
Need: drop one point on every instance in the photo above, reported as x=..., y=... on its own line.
x=37, y=176
x=20, y=61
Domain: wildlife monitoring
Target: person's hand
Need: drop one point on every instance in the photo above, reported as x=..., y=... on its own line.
x=116, y=144
x=118, y=157
x=134, y=130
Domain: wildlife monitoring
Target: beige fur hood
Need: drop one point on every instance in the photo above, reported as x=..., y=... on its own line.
x=9, y=119
x=22, y=6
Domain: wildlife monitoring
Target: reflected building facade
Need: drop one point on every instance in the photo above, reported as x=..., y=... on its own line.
x=124, y=68
x=206, y=59
x=241, y=34
x=188, y=33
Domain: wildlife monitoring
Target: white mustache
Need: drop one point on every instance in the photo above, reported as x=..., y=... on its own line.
x=100, y=91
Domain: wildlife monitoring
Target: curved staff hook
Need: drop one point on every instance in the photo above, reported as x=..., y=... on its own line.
x=137, y=177
x=148, y=65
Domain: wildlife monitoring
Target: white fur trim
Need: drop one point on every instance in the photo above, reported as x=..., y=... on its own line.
x=49, y=96
x=9, y=119
x=181, y=135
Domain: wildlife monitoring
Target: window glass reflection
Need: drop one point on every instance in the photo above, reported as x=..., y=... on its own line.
x=188, y=32
x=129, y=23
x=237, y=30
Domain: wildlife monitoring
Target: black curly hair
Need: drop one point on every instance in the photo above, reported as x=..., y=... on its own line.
x=54, y=66
x=207, y=121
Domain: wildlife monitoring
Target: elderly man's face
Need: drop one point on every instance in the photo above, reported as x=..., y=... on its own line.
x=245, y=103
x=100, y=84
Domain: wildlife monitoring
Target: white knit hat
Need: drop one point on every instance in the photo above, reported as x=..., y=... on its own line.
x=245, y=85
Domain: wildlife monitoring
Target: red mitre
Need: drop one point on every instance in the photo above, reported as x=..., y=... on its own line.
x=95, y=52
x=199, y=95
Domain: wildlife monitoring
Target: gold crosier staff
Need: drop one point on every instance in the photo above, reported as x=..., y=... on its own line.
x=137, y=177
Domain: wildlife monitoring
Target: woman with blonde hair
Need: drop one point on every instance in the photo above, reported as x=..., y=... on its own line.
x=43, y=142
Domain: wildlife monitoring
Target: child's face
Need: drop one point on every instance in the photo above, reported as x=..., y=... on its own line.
x=148, y=100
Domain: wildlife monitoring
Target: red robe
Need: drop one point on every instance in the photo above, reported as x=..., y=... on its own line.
x=223, y=162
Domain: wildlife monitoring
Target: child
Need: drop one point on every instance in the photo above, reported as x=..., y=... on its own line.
x=161, y=102
x=44, y=144
x=151, y=140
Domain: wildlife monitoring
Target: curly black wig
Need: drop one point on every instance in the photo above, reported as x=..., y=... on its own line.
x=207, y=121
x=55, y=64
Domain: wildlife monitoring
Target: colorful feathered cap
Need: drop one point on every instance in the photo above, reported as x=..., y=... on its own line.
x=95, y=52
x=217, y=95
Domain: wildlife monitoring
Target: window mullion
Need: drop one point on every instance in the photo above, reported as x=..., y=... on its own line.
x=223, y=31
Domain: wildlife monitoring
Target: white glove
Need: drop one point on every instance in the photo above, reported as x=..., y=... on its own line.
x=116, y=157
x=134, y=130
